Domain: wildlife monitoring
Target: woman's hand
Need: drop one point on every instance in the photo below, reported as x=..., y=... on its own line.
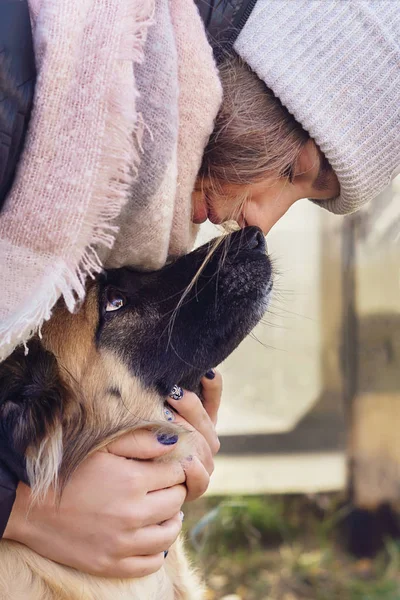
x=116, y=516
x=200, y=418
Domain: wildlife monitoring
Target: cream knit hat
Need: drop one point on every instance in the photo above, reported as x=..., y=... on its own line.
x=335, y=65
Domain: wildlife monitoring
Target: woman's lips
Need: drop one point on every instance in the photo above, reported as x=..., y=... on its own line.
x=212, y=214
x=205, y=210
x=214, y=218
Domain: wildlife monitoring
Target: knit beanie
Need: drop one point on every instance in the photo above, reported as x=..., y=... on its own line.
x=335, y=65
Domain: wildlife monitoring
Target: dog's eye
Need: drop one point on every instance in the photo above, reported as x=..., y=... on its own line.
x=115, y=300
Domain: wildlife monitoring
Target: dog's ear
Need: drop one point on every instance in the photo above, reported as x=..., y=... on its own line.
x=31, y=404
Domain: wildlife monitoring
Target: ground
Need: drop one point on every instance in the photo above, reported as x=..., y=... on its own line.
x=284, y=548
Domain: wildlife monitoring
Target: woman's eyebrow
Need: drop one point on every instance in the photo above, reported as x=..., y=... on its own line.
x=321, y=182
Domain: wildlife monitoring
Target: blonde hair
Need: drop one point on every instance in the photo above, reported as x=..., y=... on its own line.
x=254, y=133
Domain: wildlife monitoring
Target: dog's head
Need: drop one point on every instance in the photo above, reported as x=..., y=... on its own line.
x=171, y=326
x=108, y=368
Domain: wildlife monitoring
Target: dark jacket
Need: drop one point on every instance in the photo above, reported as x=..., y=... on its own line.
x=17, y=78
x=224, y=20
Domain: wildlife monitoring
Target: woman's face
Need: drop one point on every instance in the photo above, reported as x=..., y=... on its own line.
x=265, y=202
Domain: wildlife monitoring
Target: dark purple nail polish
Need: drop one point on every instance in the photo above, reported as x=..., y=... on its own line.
x=176, y=393
x=210, y=374
x=167, y=439
x=166, y=553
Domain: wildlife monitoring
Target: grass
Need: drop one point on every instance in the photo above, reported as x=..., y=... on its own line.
x=283, y=548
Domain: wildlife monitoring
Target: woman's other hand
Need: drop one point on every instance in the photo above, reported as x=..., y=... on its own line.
x=200, y=418
x=117, y=516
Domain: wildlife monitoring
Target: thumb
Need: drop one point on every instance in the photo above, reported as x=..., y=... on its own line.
x=143, y=444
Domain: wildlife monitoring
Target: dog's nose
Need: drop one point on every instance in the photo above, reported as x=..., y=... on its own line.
x=255, y=239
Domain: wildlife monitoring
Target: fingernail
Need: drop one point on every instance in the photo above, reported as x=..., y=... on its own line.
x=167, y=439
x=176, y=393
x=182, y=515
x=169, y=415
x=166, y=553
x=210, y=374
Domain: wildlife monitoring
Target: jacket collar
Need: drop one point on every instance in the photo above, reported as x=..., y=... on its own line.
x=224, y=20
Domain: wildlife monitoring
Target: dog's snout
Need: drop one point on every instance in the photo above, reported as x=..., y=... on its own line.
x=255, y=239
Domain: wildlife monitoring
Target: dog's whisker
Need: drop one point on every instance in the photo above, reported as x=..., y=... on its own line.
x=212, y=249
x=266, y=346
x=287, y=313
x=185, y=362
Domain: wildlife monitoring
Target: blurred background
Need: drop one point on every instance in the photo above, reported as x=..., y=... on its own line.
x=302, y=503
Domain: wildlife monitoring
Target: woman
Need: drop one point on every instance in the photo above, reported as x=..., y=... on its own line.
x=334, y=65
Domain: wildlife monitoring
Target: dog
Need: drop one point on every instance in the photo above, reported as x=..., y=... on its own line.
x=106, y=370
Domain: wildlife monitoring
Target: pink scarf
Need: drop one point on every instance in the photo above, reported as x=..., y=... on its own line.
x=126, y=96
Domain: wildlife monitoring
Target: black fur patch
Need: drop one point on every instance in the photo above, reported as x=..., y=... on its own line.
x=31, y=402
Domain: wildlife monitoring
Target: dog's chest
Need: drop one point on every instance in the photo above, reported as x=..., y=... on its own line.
x=28, y=576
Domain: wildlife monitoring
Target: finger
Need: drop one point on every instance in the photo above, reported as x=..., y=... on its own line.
x=162, y=505
x=152, y=539
x=159, y=475
x=133, y=567
x=189, y=406
x=141, y=444
x=199, y=447
x=212, y=393
x=203, y=452
x=197, y=479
